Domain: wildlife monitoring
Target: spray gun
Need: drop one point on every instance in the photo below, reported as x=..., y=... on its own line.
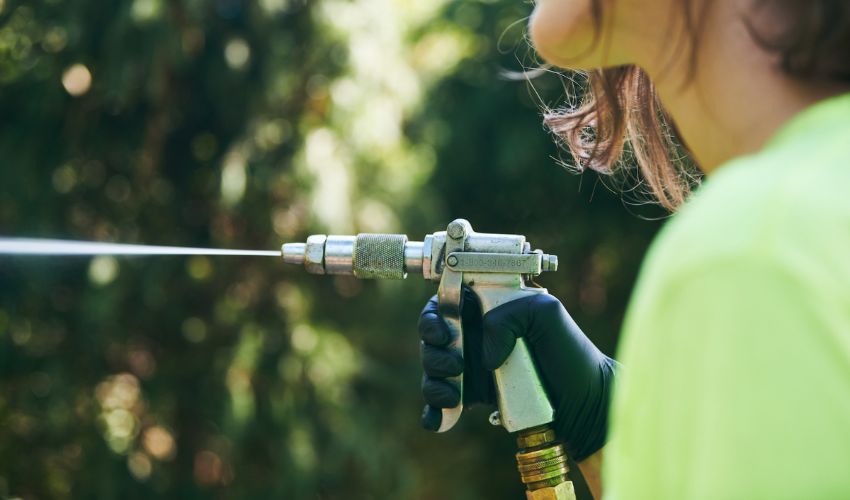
x=495, y=267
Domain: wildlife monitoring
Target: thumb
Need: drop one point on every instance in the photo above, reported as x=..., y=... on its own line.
x=502, y=326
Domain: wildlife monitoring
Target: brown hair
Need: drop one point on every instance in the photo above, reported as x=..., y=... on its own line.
x=621, y=111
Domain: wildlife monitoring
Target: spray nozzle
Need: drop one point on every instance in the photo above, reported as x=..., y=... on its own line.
x=366, y=256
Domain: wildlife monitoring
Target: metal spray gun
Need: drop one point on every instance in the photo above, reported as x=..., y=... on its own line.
x=495, y=267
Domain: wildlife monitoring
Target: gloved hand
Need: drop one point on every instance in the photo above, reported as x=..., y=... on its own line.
x=577, y=377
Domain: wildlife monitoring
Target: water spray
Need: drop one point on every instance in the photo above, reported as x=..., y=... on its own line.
x=496, y=267
x=33, y=246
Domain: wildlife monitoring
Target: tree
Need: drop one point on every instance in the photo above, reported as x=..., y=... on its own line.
x=244, y=124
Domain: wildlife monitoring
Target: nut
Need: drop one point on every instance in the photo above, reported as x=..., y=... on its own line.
x=495, y=419
x=314, y=254
x=535, y=437
x=563, y=491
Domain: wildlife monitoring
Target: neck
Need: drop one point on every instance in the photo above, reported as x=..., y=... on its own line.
x=737, y=99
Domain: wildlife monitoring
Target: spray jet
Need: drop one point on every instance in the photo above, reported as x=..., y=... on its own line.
x=496, y=267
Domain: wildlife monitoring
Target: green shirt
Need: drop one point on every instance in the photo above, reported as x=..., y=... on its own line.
x=736, y=346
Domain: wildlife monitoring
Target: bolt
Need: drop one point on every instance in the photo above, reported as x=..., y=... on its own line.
x=456, y=230
x=495, y=418
x=452, y=260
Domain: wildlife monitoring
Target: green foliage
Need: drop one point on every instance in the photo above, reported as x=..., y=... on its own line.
x=242, y=124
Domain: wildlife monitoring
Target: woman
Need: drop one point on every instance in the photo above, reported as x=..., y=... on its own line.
x=736, y=346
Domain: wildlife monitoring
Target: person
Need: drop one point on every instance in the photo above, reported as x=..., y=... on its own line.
x=735, y=350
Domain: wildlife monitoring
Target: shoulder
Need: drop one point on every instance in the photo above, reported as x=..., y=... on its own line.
x=788, y=206
x=738, y=330
x=776, y=223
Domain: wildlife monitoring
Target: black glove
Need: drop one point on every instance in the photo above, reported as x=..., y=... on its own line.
x=577, y=377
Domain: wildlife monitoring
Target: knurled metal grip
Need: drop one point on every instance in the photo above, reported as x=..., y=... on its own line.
x=379, y=256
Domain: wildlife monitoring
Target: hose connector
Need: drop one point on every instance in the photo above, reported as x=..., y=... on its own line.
x=542, y=465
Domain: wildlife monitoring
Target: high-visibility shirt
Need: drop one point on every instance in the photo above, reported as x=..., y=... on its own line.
x=736, y=345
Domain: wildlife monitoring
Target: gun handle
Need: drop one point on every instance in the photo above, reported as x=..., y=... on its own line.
x=522, y=400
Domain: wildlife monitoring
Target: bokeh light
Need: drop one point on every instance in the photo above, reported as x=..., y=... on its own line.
x=145, y=10
x=64, y=179
x=55, y=39
x=210, y=469
x=237, y=53
x=159, y=443
x=103, y=270
x=233, y=178
x=77, y=80
x=194, y=330
x=139, y=465
x=119, y=397
x=199, y=267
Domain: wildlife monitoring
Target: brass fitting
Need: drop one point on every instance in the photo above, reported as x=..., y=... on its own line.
x=542, y=465
x=563, y=491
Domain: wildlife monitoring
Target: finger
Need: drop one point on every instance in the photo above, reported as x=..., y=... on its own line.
x=441, y=362
x=471, y=308
x=440, y=393
x=431, y=418
x=432, y=328
x=501, y=327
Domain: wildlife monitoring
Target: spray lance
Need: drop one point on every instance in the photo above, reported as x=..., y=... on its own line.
x=495, y=267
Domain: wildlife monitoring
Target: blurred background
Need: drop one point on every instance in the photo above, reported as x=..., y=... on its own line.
x=244, y=124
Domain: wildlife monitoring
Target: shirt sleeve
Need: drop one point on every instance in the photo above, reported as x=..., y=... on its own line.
x=736, y=385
